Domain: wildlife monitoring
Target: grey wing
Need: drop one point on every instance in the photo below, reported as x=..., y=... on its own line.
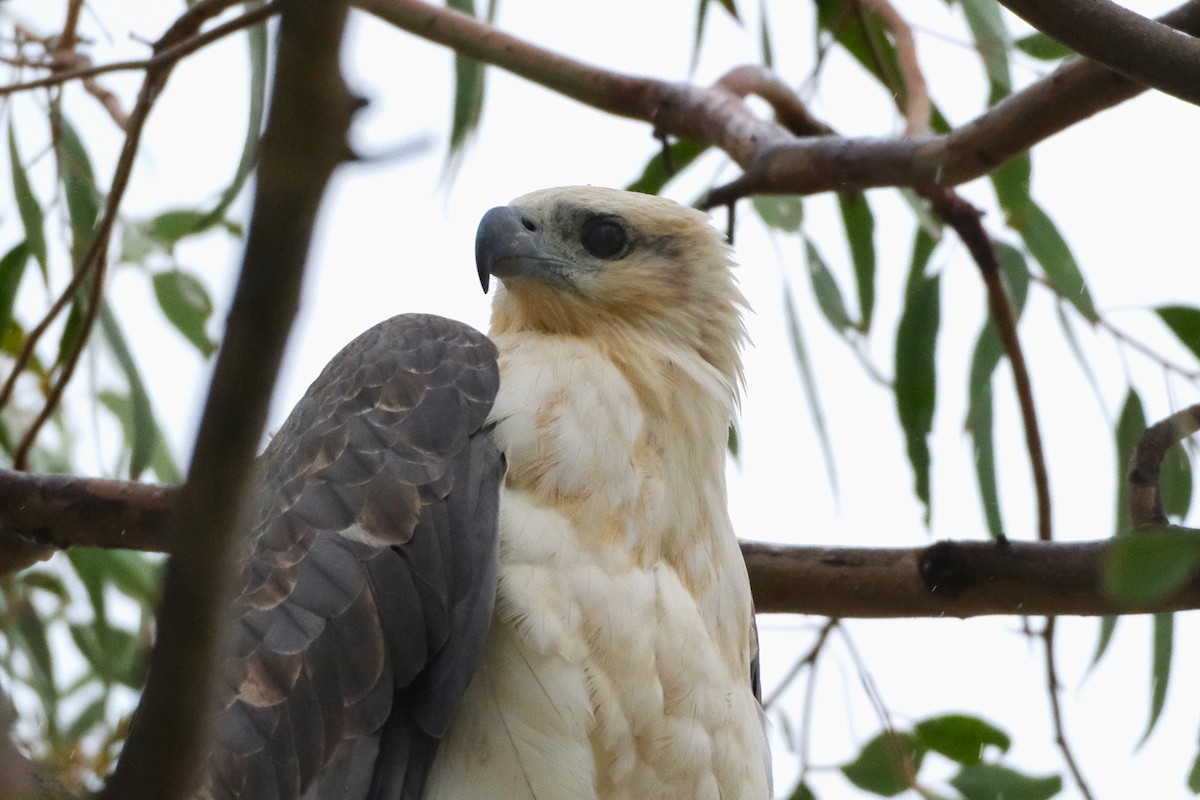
x=369, y=590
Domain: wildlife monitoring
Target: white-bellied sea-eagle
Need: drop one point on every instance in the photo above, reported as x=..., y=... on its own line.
x=502, y=567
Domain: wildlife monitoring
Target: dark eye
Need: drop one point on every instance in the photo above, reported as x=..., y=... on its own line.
x=604, y=239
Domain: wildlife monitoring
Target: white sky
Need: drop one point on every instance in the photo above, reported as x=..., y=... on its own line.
x=395, y=238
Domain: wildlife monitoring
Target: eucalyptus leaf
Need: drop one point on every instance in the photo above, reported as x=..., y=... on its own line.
x=993, y=782
x=886, y=765
x=655, y=174
x=808, y=384
x=961, y=738
x=28, y=207
x=185, y=303
x=916, y=379
x=1184, y=322
x=859, y=224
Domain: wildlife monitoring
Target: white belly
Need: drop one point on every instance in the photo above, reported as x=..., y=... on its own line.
x=618, y=664
x=599, y=681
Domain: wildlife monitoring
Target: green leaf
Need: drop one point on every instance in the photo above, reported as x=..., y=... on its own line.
x=733, y=441
x=992, y=782
x=979, y=426
x=1184, y=322
x=185, y=302
x=783, y=212
x=79, y=184
x=808, y=382
x=886, y=764
x=37, y=647
x=12, y=270
x=764, y=36
x=1151, y=563
x=916, y=378
x=1160, y=669
x=1039, y=45
x=961, y=738
x=468, y=94
x=655, y=175
x=1011, y=182
x=147, y=445
x=859, y=223
x=171, y=226
x=991, y=41
x=1047, y=245
x=1193, y=781
x=28, y=206
x=1131, y=424
x=825, y=288
x=45, y=581
x=1175, y=482
x=802, y=792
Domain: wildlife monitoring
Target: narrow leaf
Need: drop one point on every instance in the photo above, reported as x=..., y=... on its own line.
x=1039, y=45
x=991, y=41
x=1047, y=245
x=28, y=207
x=1011, y=182
x=147, y=443
x=885, y=764
x=809, y=384
x=1160, y=669
x=185, y=303
x=12, y=270
x=993, y=782
x=825, y=288
x=1193, y=781
x=91, y=716
x=1184, y=322
x=979, y=426
x=655, y=174
x=764, y=36
x=1131, y=424
x=1175, y=482
x=859, y=224
x=961, y=738
x=79, y=184
x=468, y=94
x=916, y=378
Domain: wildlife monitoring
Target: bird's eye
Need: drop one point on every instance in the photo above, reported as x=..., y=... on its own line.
x=605, y=239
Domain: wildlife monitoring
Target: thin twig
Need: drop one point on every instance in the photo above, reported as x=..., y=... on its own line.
x=166, y=56
x=808, y=659
x=965, y=220
x=1060, y=731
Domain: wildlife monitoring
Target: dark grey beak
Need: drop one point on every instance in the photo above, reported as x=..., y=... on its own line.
x=501, y=235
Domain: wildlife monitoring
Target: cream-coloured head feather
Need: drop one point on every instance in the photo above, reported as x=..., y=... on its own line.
x=617, y=266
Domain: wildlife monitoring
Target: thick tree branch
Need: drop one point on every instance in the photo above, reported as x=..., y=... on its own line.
x=774, y=161
x=955, y=579
x=1143, y=50
x=304, y=141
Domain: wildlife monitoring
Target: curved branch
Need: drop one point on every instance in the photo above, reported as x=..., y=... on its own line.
x=1145, y=500
x=774, y=160
x=1141, y=49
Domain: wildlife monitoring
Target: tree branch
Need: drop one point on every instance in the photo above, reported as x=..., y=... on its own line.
x=304, y=141
x=954, y=579
x=1143, y=50
x=773, y=160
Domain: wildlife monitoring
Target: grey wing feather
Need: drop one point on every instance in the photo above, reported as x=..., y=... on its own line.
x=368, y=591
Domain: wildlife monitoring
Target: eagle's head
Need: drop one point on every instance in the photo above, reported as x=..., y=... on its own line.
x=618, y=266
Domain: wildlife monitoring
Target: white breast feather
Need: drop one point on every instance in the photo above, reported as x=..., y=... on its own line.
x=618, y=663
